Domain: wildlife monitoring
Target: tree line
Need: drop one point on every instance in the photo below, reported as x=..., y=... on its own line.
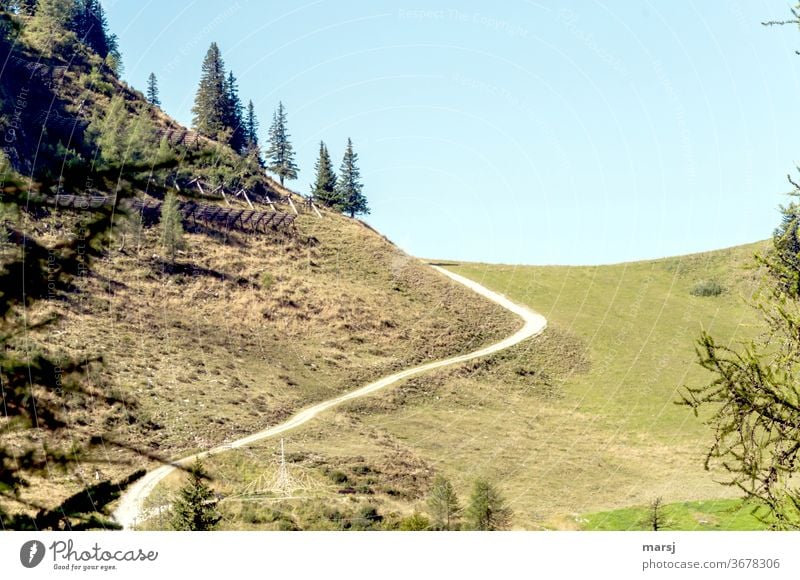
x=196, y=507
x=218, y=114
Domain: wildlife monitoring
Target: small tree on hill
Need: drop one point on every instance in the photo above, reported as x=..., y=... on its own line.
x=324, y=187
x=443, y=504
x=280, y=155
x=171, y=226
x=152, y=90
x=487, y=510
x=349, y=187
x=656, y=519
x=196, y=506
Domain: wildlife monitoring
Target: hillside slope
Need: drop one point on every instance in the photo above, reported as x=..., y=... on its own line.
x=580, y=419
x=245, y=327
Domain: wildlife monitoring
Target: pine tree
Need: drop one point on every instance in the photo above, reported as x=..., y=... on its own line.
x=251, y=148
x=487, y=510
x=211, y=100
x=349, y=187
x=324, y=187
x=280, y=155
x=152, y=90
x=196, y=507
x=443, y=504
x=233, y=114
x=171, y=226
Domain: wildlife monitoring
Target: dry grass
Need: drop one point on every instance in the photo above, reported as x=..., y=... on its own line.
x=206, y=352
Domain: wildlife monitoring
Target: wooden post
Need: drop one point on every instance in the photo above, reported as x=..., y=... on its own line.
x=291, y=203
x=247, y=199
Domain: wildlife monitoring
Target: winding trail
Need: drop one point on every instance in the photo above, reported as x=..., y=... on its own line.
x=132, y=501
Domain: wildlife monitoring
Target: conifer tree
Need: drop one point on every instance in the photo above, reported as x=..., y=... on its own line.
x=171, y=226
x=443, y=504
x=349, y=187
x=233, y=114
x=110, y=132
x=164, y=153
x=280, y=155
x=196, y=506
x=211, y=100
x=324, y=187
x=251, y=148
x=251, y=127
x=487, y=510
x=152, y=90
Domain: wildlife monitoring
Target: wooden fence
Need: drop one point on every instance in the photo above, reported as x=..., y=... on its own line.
x=216, y=217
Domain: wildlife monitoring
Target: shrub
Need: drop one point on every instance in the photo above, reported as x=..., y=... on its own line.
x=706, y=288
x=415, y=522
x=267, y=280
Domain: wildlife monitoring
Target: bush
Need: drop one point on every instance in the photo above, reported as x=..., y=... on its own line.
x=706, y=288
x=267, y=280
x=414, y=523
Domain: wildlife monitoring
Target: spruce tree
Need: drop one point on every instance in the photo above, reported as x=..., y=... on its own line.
x=349, y=187
x=324, y=187
x=251, y=127
x=443, y=504
x=171, y=226
x=196, y=506
x=211, y=100
x=251, y=148
x=233, y=114
x=487, y=510
x=152, y=90
x=280, y=155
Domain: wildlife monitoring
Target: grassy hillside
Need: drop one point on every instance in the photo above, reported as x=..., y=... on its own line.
x=245, y=328
x=579, y=420
x=244, y=331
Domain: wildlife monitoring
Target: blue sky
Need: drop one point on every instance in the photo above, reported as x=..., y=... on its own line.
x=579, y=132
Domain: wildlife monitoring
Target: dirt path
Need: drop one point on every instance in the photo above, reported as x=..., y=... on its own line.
x=131, y=503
